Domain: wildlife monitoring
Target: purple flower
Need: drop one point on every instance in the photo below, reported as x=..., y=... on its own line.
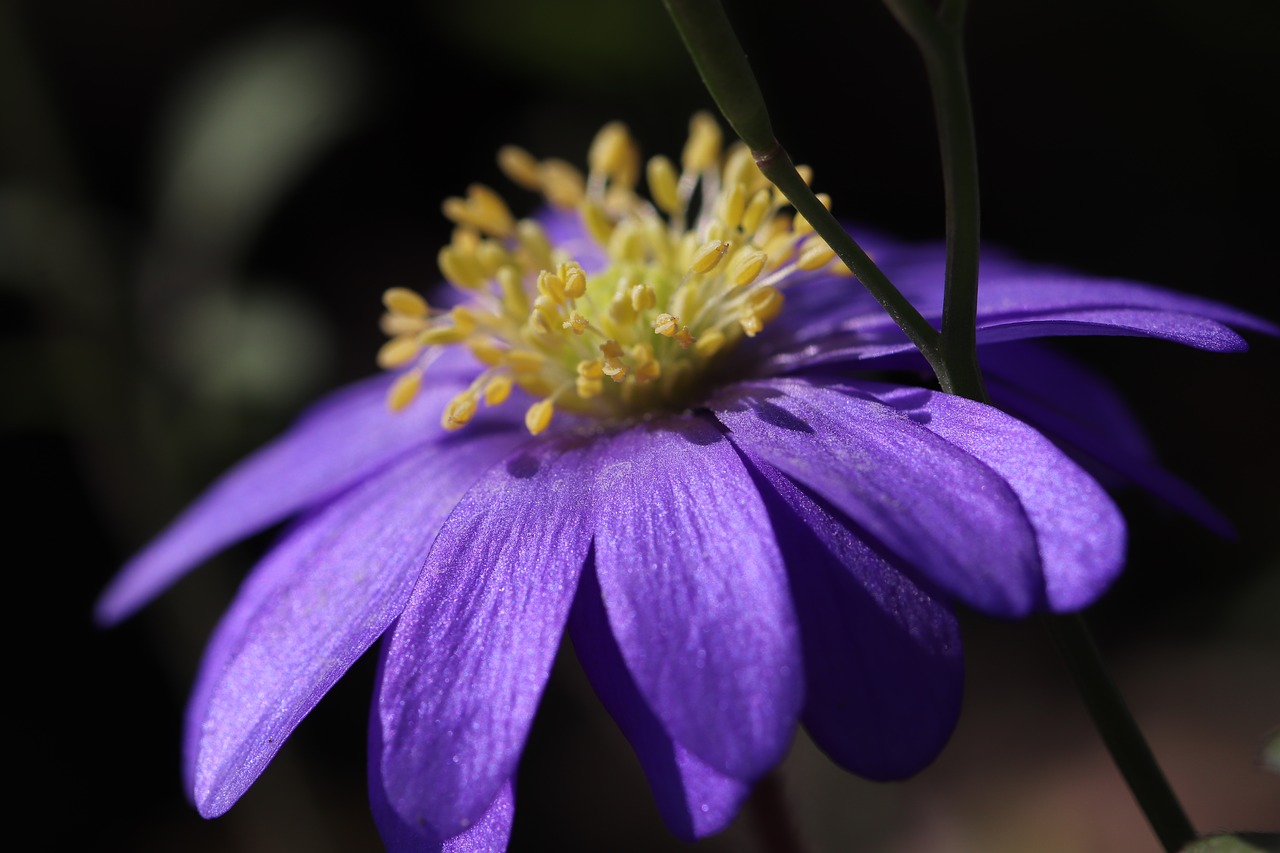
x=741, y=527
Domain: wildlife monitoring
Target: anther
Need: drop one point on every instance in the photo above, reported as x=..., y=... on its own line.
x=706, y=258
x=664, y=185
x=403, y=390
x=398, y=352
x=538, y=417
x=666, y=325
x=459, y=411
x=703, y=148
x=402, y=300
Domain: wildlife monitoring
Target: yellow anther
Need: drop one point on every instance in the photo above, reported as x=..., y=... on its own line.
x=620, y=310
x=588, y=388
x=643, y=298
x=657, y=240
x=709, y=343
x=403, y=390
x=576, y=323
x=459, y=412
x=538, y=418
x=487, y=351
x=806, y=173
x=608, y=152
x=550, y=286
x=460, y=268
x=598, y=223
x=482, y=209
x=394, y=325
x=520, y=166
x=666, y=325
x=398, y=352
x=733, y=205
x=683, y=338
x=626, y=243
x=702, y=151
x=514, y=299
x=562, y=184
x=748, y=267
x=440, y=335
x=765, y=302
x=464, y=319
x=575, y=280
x=815, y=255
x=751, y=324
x=647, y=368
x=497, y=390
x=757, y=207
x=402, y=300
x=706, y=258
x=491, y=256
x=664, y=185
x=533, y=240
x=590, y=368
x=612, y=365
x=739, y=168
x=525, y=361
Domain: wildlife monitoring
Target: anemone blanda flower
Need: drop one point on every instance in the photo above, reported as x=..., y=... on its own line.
x=618, y=429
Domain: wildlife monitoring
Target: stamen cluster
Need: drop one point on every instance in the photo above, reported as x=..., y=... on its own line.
x=675, y=292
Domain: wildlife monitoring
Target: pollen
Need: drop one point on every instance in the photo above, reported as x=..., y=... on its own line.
x=676, y=281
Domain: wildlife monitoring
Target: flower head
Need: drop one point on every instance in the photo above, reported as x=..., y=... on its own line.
x=740, y=525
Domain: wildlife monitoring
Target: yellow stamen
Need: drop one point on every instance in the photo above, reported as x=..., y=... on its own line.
x=663, y=185
x=706, y=258
x=460, y=411
x=666, y=325
x=497, y=390
x=703, y=148
x=402, y=300
x=398, y=352
x=538, y=417
x=404, y=390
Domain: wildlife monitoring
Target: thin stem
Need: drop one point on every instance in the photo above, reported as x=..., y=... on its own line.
x=940, y=40
x=1120, y=732
x=711, y=42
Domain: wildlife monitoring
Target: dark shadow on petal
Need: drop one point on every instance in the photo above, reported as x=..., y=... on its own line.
x=524, y=466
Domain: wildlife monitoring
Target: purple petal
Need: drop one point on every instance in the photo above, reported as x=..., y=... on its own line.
x=1080, y=532
x=884, y=672
x=337, y=443
x=937, y=508
x=696, y=593
x=312, y=607
x=489, y=834
x=1081, y=413
x=694, y=800
x=1198, y=332
x=468, y=659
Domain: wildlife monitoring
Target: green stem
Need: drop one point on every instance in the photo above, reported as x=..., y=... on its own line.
x=940, y=37
x=723, y=66
x=940, y=40
x=1120, y=732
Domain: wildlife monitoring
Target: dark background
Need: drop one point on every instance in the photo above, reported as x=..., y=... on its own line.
x=201, y=202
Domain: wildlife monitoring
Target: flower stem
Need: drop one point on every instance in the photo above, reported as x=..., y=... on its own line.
x=940, y=40
x=1120, y=732
x=939, y=36
x=720, y=60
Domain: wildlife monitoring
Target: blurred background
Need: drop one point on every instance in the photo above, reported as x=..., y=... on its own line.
x=201, y=202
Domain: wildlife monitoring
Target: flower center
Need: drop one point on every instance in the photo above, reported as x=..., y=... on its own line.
x=624, y=318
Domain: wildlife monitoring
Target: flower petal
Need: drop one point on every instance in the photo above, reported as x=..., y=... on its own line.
x=1199, y=332
x=884, y=671
x=468, y=659
x=1084, y=415
x=312, y=607
x=946, y=515
x=696, y=593
x=338, y=442
x=489, y=834
x=694, y=800
x=1080, y=532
